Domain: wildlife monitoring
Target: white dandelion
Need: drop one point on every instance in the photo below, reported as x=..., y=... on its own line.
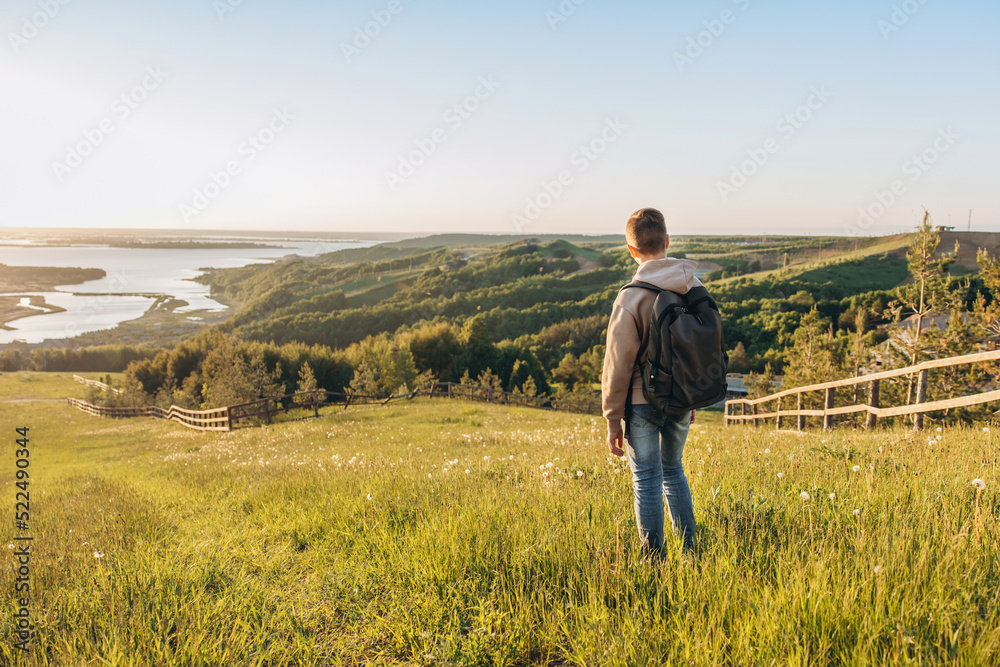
x=467, y=471
x=877, y=569
x=979, y=484
x=856, y=512
x=856, y=468
x=767, y=451
x=986, y=429
x=832, y=496
x=781, y=475
x=370, y=495
x=579, y=473
x=98, y=554
x=804, y=496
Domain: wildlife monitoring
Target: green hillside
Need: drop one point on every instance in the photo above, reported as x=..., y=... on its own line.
x=444, y=532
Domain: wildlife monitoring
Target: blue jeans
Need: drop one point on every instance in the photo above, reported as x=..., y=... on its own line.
x=655, y=447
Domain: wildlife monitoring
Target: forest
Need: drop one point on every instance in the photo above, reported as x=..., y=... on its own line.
x=530, y=316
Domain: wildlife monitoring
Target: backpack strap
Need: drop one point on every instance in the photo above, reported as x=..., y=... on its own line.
x=643, y=285
x=628, y=397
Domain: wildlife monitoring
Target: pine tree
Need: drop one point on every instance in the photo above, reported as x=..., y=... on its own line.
x=307, y=384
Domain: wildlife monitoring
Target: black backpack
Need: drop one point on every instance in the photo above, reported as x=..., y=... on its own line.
x=686, y=360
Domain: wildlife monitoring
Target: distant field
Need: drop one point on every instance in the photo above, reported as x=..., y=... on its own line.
x=433, y=533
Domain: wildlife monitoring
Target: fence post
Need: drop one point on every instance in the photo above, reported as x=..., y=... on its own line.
x=828, y=419
x=316, y=403
x=725, y=414
x=918, y=418
x=777, y=415
x=753, y=411
x=873, y=387
x=229, y=419
x=267, y=410
x=800, y=419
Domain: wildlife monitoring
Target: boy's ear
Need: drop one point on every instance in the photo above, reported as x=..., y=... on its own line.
x=631, y=250
x=667, y=244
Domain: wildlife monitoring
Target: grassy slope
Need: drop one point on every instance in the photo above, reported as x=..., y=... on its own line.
x=843, y=265
x=262, y=547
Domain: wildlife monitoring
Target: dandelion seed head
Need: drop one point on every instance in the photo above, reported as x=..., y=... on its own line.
x=979, y=484
x=781, y=475
x=804, y=495
x=856, y=512
x=856, y=468
x=767, y=451
x=579, y=473
x=832, y=496
x=877, y=569
x=98, y=554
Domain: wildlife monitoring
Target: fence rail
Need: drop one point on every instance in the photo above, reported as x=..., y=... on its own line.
x=874, y=411
x=95, y=383
x=264, y=410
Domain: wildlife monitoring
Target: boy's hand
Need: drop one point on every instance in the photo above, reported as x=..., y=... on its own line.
x=616, y=438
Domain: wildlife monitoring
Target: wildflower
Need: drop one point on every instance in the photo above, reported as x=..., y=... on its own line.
x=856, y=512
x=370, y=495
x=579, y=473
x=781, y=475
x=10, y=546
x=832, y=496
x=549, y=464
x=856, y=468
x=511, y=457
x=938, y=429
x=804, y=496
x=467, y=471
x=486, y=458
x=939, y=437
x=541, y=467
x=98, y=554
x=428, y=475
x=979, y=484
x=444, y=470
x=986, y=429
x=545, y=474
x=877, y=569
x=767, y=451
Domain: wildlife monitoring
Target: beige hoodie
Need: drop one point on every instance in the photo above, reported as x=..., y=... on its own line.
x=628, y=330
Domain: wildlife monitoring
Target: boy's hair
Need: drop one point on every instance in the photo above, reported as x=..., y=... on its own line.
x=646, y=231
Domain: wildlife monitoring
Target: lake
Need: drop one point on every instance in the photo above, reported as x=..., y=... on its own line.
x=135, y=277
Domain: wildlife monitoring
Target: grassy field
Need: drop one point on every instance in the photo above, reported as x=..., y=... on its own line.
x=452, y=533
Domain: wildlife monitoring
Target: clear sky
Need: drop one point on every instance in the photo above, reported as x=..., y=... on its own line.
x=732, y=116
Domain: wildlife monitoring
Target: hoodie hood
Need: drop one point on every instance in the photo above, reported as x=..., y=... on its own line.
x=676, y=275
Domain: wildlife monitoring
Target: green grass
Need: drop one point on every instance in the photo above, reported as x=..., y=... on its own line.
x=262, y=546
x=861, y=275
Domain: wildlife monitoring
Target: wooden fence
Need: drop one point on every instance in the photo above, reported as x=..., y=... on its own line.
x=758, y=415
x=264, y=410
x=95, y=383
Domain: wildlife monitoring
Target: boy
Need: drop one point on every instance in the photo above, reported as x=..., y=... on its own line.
x=655, y=441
